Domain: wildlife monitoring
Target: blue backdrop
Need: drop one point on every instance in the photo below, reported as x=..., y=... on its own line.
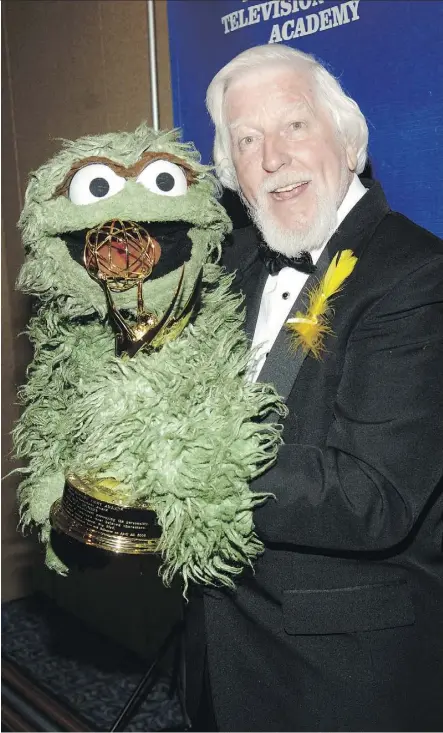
x=386, y=53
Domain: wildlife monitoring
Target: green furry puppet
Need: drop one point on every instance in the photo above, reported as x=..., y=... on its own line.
x=138, y=370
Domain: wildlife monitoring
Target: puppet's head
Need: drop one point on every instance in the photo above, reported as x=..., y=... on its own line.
x=122, y=223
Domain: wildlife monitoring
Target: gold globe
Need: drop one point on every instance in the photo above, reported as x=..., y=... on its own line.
x=120, y=253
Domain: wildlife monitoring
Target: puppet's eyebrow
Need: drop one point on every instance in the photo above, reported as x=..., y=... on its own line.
x=131, y=171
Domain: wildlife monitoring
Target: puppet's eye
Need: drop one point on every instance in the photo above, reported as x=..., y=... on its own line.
x=93, y=183
x=164, y=178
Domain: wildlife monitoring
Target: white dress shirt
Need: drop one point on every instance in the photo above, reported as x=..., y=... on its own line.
x=281, y=291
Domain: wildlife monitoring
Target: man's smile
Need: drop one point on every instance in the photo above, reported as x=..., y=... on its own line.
x=291, y=191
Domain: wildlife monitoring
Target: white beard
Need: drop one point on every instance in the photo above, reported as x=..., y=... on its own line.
x=302, y=237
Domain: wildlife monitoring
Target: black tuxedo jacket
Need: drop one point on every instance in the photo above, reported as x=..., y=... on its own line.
x=339, y=626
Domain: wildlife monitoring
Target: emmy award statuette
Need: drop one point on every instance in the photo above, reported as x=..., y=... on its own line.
x=98, y=511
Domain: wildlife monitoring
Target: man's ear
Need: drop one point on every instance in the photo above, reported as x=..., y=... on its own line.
x=351, y=157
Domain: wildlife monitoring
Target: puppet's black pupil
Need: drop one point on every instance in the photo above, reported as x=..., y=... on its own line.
x=99, y=187
x=165, y=181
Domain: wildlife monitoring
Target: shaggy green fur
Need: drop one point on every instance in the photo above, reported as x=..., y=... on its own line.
x=178, y=427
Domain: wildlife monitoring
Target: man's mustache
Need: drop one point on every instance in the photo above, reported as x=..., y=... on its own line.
x=281, y=180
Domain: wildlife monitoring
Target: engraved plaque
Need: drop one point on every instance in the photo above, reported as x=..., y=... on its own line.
x=91, y=513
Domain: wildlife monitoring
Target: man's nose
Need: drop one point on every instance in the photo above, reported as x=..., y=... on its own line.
x=275, y=154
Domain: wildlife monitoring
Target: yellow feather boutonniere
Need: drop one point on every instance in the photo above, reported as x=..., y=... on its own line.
x=309, y=329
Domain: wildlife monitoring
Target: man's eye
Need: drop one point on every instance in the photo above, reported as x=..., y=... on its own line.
x=296, y=125
x=245, y=142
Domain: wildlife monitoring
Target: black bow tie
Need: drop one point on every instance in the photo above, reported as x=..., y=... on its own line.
x=275, y=261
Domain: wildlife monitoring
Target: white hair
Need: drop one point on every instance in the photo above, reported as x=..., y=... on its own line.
x=345, y=113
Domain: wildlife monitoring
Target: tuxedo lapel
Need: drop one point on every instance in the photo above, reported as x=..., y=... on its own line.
x=283, y=365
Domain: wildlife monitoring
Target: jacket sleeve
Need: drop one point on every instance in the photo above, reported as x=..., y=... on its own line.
x=383, y=456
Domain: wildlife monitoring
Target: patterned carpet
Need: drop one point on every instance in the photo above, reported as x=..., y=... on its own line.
x=94, y=675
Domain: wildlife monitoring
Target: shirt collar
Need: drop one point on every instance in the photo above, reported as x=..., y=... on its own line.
x=355, y=191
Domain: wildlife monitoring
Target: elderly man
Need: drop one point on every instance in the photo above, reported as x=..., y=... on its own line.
x=339, y=626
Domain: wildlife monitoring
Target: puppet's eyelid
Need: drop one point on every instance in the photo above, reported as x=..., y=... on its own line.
x=164, y=178
x=94, y=182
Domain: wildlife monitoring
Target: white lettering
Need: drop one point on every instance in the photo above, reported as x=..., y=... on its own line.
x=254, y=14
x=353, y=5
x=312, y=23
x=276, y=9
x=285, y=32
x=285, y=7
x=225, y=21
x=266, y=10
x=243, y=22
x=325, y=18
x=275, y=34
x=340, y=14
x=299, y=29
x=234, y=21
